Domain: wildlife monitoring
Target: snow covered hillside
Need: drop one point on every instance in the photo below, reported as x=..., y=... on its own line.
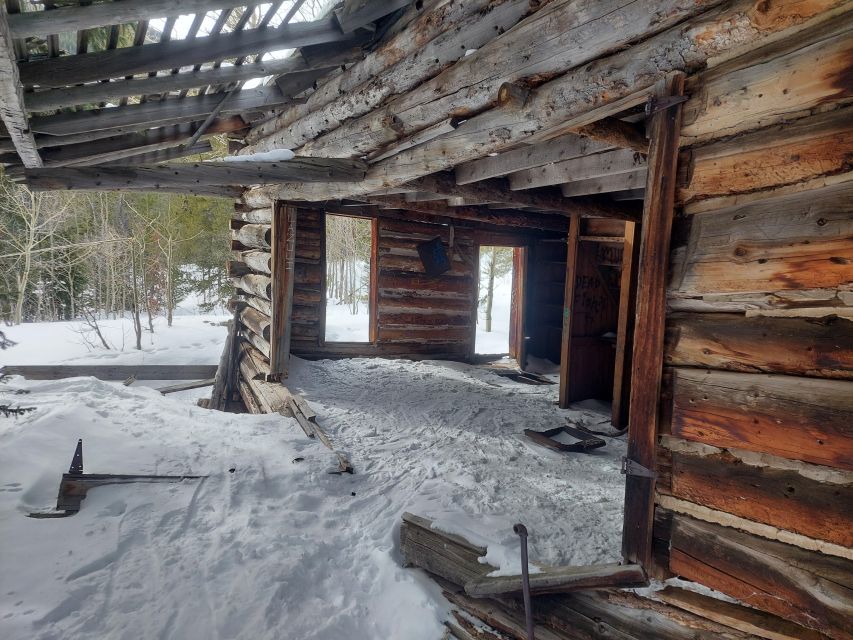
x=269, y=544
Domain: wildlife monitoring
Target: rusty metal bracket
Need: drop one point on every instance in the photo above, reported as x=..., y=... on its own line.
x=633, y=468
x=659, y=103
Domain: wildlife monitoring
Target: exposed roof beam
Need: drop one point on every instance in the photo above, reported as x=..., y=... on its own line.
x=478, y=214
x=496, y=190
x=360, y=13
x=12, y=98
x=606, y=184
x=102, y=91
x=195, y=174
x=116, y=63
x=77, y=18
x=153, y=114
x=163, y=155
x=149, y=140
x=600, y=164
x=528, y=156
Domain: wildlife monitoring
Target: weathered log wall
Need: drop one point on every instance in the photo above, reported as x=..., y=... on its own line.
x=756, y=458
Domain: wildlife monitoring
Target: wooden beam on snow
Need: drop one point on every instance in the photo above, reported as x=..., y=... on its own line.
x=113, y=372
x=650, y=319
x=12, y=97
x=153, y=114
x=117, y=63
x=194, y=174
x=497, y=190
x=77, y=18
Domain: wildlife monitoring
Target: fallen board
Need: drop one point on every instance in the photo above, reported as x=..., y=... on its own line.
x=186, y=386
x=114, y=372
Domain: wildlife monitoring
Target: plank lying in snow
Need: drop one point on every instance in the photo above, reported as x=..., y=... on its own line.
x=561, y=580
x=113, y=372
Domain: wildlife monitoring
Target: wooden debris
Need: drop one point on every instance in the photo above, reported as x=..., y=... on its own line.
x=561, y=580
x=186, y=386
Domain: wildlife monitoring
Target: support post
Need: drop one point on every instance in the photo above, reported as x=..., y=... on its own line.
x=647, y=361
x=568, y=309
x=283, y=243
x=625, y=328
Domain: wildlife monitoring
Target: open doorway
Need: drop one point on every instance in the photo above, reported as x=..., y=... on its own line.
x=498, y=304
x=348, y=283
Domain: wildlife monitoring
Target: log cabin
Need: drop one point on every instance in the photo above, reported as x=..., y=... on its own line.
x=675, y=174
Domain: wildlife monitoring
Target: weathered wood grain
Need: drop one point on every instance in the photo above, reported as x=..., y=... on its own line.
x=800, y=241
x=802, y=586
x=798, y=418
x=818, y=347
x=113, y=372
x=779, y=497
x=606, y=163
x=12, y=111
x=770, y=85
x=775, y=156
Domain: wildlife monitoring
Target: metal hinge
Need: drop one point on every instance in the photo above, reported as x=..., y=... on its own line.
x=632, y=468
x=659, y=103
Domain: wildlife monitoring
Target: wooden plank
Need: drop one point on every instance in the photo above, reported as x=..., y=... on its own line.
x=605, y=184
x=625, y=328
x=561, y=580
x=752, y=621
x=61, y=97
x=804, y=587
x=163, y=155
x=186, y=386
x=784, y=154
x=527, y=157
x=606, y=163
x=155, y=114
x=117, y=63
x=193, y=174
x=564, y=393
x=12, y=111
x=798, y=241
x=80, y=17
x=114, y=372
x=773, y=84
x=782, y=498
x=647, y=359
x=798, y=418
x=817, y=347
x=283, y=255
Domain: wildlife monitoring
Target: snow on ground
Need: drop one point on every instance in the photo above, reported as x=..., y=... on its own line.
x=344, y=326
x=279, y=548
x=496, y=340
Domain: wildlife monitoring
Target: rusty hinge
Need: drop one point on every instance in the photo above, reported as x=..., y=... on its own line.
x=659, y=103
x=633, y=468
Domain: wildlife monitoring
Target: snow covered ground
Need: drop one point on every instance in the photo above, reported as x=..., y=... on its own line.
x=269, y=544
x=497, y=340
x=344, y=326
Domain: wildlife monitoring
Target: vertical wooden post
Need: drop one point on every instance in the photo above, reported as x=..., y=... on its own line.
x=625, y=328
x=373, y=293
x=647, y=361
x=568, y=309
x=517, y=346
x=283, y=241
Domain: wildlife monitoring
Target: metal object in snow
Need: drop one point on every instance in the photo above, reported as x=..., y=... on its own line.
x=521, y=531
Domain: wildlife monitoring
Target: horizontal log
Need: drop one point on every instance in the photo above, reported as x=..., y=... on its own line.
x=262, y=345
x=392, y=302
x=561, y=580
x=193, y=174
x=420, y=282
x=118, y=63
x=257, y=285
x=163, y=155
x=260, y=304
x=253, y=235
x=819, y=347
x=254, y=216
x=802, y=586
x=797, y=418
x=248, y=397
x=427, y=334
x=779, y=497
x=257, y=322
x=259, y=261
x=799, y=241
x=128, y=118
x=113, y=372
x=784, y=154
x=605, y=184
x=773, y=84
x=402, y=320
